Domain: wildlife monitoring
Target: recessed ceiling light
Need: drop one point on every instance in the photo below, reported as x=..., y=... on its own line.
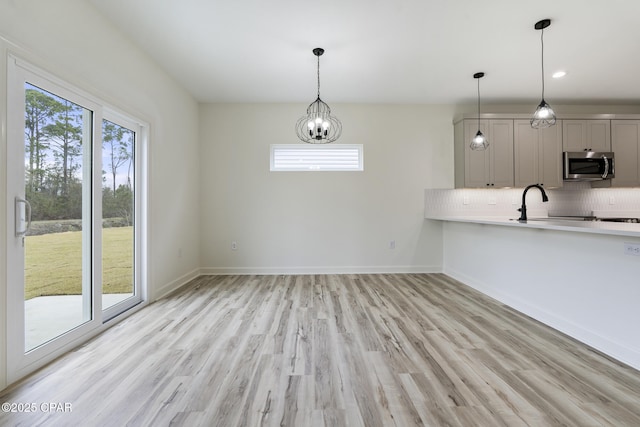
x=559, y=74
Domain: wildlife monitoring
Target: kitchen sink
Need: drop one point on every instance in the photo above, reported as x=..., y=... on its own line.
x=629, y=220
x=559, y=218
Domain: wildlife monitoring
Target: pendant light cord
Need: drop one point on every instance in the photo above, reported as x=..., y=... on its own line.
x=478, y=104
x=542, y=43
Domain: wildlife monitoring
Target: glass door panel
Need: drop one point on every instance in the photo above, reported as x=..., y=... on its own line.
x=118, y=214
x=57, y=187
x=72, y=177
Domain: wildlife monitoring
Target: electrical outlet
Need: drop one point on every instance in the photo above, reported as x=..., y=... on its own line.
x=465, y=200
x=392, y=244
x=234, y=246
x=492, y=200
x=612, y=200
x=632, y=249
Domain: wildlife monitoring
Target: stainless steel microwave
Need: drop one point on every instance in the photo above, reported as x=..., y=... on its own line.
x=588, y=166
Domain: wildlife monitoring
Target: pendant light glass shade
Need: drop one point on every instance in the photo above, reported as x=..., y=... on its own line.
x=318, y=126
x=479, y=141
x=544, y=116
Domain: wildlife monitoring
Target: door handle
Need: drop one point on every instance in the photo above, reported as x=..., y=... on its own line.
x=19, y=219
x=606, y=167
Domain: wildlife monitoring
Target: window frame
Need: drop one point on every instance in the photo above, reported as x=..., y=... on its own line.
x=139, y=262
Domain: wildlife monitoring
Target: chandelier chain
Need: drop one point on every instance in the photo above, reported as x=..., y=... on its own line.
x=318, y=76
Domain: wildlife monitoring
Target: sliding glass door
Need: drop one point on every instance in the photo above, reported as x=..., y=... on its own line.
x=74, y=251
x=120, y=278
x=56, y=235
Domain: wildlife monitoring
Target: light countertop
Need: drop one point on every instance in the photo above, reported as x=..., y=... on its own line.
x=595, y=227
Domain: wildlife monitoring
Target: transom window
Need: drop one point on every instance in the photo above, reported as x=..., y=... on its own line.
x=329, y=157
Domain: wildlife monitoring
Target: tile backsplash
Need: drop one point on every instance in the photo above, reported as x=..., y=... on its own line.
x=574, y=198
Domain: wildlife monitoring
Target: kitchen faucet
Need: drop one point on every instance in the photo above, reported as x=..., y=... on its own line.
x=523, y=208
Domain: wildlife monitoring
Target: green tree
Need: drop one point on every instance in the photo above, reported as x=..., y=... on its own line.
x=65, y=139
x=118, y=204
x=116, y=141
x=39, y=109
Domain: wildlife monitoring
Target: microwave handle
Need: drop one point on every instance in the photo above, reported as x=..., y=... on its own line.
x=606, y=167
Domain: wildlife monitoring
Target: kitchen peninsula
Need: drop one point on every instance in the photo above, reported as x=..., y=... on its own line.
x=571, y=275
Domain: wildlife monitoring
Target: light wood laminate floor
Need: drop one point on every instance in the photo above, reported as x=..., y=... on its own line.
x=332, y=350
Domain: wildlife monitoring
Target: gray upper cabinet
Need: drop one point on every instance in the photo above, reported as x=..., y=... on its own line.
x=586, y=135
x=625, y=142
x=489, y=168
x=519, y=155
x=538, y=154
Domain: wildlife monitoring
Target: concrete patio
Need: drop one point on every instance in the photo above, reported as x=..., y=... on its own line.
x=50, y=316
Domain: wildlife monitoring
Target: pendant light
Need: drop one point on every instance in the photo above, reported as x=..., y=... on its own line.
x=479, y=142
x=544, y=116
x=318, y=126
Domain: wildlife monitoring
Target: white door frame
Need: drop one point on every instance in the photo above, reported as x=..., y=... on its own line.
x=18, y=363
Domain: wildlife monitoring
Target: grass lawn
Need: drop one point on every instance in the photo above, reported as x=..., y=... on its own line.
x=53, y=263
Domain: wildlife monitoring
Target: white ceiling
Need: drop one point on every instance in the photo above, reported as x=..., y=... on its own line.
x=390, y=51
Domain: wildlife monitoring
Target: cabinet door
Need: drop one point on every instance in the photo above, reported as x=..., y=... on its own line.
x=538, y=155
x=574, y=135
x=591, y=135
x=599, y=135
x=550, y=156
x=476, y=163
x=525, y=147
x=492, y=167
x=501, y=152
x=625, y=144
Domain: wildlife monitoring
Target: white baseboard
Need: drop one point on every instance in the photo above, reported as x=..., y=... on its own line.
x=614, y=349
x=176, y=284
x=213, y=271
x=243, y=271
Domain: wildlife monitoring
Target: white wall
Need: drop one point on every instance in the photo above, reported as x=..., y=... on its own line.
x=314, y=222
x=578, y=283
x=70, y=39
